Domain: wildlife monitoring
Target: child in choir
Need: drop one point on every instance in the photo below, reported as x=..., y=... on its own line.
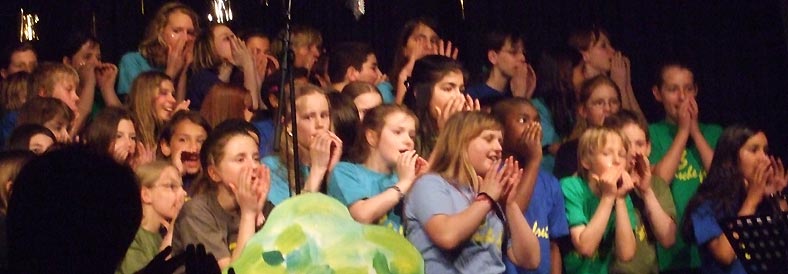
x=382, y=167
x=462, y=215
x=599, y=210
x=167, y=46
x=218, y=56
x=545, y=211
x=319, y=149
x=436, y=90
x=16, y=57
x=32, y=137
x=353, y=61
x=599, y=98
x=153, y=102
x=162, y=196
x=364, y=95
x=13, y=94
x=682, y=149
x=654, y=207
x=743, y=180
x=50, y=113
x=180, y=142
x=114, y=132
x=58, y=81
x=227, y=207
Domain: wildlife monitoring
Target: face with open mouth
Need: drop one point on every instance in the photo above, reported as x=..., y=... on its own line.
x=186, y=141
x=484, y=150
x=164, y=102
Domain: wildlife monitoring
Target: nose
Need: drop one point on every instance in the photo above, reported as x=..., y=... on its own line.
x=497, y=146
x=410, y=143
x=192, y=146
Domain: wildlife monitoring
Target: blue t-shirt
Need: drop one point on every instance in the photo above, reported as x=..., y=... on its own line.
x=487, y=95
x=266, y=129
x=131, y=65
x=706, y=228
x=547, y=217
x=280, y=186
x=7, y=125
x=386, y=92
x=351, y=182
x=431, y=195
x=549, y=135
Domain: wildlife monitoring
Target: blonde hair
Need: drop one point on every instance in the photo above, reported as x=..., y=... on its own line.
x=451, y=155
x=591, y=142
x=48, y=74
x=152, y=46
x=301, y=36
x=286, y=142
x=205, y=56
x=149, y=173
x=144, y=90
x=14, y=91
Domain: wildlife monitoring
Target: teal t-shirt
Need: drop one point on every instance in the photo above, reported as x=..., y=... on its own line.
x=689, y=175
x=581, y=203
x=131, y=65
x=280, y=185
x=351, y=182
x=549, y=135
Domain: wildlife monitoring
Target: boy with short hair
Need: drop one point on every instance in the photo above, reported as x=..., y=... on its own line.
x=58, y=81
x=18, y=57
x=353, y=61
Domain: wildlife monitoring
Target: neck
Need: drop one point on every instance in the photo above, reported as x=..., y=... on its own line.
x=376, y=163
x=226, y=198
x=303, y=155
x=151, y=220
x=497, y=80
x=339, y=86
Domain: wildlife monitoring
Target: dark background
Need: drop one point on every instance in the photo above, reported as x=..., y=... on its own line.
x=738, y=47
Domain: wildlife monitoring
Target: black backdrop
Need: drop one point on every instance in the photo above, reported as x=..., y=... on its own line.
x=739, y=46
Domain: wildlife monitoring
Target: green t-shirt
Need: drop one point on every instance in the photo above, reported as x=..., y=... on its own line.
x=581, y=203
x=141, y=251
x=645, y=260
x=689, y=175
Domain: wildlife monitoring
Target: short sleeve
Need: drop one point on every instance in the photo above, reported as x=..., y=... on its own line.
x=660, y=141
x=386, y=92
x=280, y=186
x=423, y=196
x=712, y=133
x=557, y=216
x=136, y=257
x=664, y=197
x=345, y=184
x=574, y=198
x=704, y=224
x=194, y=225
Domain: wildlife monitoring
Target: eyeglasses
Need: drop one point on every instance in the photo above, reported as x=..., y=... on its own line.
x=601, y=103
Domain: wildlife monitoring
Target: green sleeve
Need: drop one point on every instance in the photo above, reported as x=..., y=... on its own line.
x=665, y=198
x=712, y=133
x=574, y=200
x=138, y=255
x=660, y=141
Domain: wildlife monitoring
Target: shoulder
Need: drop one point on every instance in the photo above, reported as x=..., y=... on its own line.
x=199, y=205
x=573, y=184
x=133, y=56
x=710, y=129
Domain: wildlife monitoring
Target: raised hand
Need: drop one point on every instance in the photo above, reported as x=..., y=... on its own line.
x=471, y=104
x=530, y=143
x=241, y=54
x=176, y=57
x=183, y=105
x=778, y=179
x=445, y=48
x=142, y=155
x=106, y=74
x=422, y=166
x=515, y=175
x=685, y=116
x=335, y=150
x=756, y=188
x=248, y=190
x=523, y=82
x=406, y=165
x=626, y=185
x=641, y=176
x=619, y=69
x=320, y=150
x=451, y=107
x=607, y=182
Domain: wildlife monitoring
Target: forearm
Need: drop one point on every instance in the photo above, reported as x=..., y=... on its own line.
x=449, y=231
x=749, y=206
x=705, y=150
x=315, y=179
x=625, y=236
x=525, y=189
x=180, y=90
x=663, y=226
x=556, y=263
x=630, y=102
x=110, y=97
x=85, y=105
x=252, y=85
x=246, y=229
x=369, y=210
x=524, y=251
x=667, y=166
x=587, y=242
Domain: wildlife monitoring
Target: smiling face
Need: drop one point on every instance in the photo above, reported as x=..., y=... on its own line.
x=484, y=149
x=395, y=137
x=165, y=193
x=164, y=102
x=187, y=139
x=677, y=87
x=450, y=86
x=313, y=117
x=752, y=154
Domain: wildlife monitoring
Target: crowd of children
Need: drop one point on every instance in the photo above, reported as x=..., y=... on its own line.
x=548, y=168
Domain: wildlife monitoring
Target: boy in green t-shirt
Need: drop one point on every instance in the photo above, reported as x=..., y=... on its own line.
x=598, y=208
x=682, y=149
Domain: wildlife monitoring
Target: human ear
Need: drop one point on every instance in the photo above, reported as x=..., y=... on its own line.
x=492, y=56
x=214, y=174
x=165, y=148
x=145, y=195
x=351, y=74
x=657, y=95
x=372, y=138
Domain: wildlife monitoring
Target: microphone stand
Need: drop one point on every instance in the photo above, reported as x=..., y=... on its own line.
x=287, y=77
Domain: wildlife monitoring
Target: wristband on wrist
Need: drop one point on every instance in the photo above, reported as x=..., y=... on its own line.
x=396, y=188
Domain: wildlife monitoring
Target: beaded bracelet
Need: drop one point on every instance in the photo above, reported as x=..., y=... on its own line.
x=396, y=188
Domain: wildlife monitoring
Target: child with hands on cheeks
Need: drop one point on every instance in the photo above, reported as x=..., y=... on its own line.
x=383, y=167
x=654, y=207
x=453, y=214
x=319, y=149
x=741, y=181
x=598, y=205
x=162, y=196
x=114, y=131
x=227, y=210
x=167, y=46
x=682, y=152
